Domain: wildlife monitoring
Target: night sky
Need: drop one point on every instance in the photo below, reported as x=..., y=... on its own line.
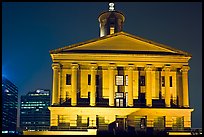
x=30, y=30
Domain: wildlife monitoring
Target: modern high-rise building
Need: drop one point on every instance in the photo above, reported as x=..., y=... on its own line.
x=119, y=83
x=9, y=106
x=34, y=112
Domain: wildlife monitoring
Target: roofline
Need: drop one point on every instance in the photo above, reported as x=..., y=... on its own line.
x=119, y=33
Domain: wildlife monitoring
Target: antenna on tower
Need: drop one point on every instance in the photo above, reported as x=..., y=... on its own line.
x=111, y=6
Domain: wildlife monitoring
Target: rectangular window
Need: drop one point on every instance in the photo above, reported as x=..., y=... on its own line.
x=119, y=80
x=119, y=95
x=126, y=80
x=97, y=79
x=143, y=123
x=163, y=81
x=142, y=80
x=89, y=79
x=170, y=80
x=111, y=30
x=68, y=79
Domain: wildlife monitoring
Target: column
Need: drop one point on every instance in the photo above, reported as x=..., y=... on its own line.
x=93, y=85
x=148, y=70
x=179, y=89
x=184, y=71
x=74, y=69
x=55, y=67
x=111, y=69
x=167, y=86
x=174, y=87
x=136, y=85
x=59, y=84
x=130, y=85
x=153, y=83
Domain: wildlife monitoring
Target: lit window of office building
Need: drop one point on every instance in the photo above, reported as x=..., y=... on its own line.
x=9, y=106
x=34, y=112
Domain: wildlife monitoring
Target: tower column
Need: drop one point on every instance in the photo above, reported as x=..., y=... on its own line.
x=55, y=67
x=184, y=71
x=111, y=85
x=74, y=69
x=148, y=85
x=167, y=86
x=130, y=85
x=93, y=85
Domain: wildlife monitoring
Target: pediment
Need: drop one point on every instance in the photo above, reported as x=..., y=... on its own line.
x=120, y=42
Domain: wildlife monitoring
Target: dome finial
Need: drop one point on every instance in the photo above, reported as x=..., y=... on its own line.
x=111, y=6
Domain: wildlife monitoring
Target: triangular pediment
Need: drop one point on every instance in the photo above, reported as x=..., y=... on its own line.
x=120, y=42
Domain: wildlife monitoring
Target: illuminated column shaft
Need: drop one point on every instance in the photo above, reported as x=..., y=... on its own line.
x=153, y=83
x=59, y=84
x=185, y=85
x=93, y=86
x=111, y=85
x=130, y=86
x=55, y=67
x=74, y=85
x=148, y=86
x=167, y=87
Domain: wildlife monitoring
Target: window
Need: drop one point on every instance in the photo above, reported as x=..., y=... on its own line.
x=142, y=123
x=119, y=80
x=119, y=99
x=163, y=81
x=119, y=102
x=111, y=30
x=142, y=80
x=170, y=80
x=126, y=80
x=89, y=79
x=68, y=79
x=97, y=79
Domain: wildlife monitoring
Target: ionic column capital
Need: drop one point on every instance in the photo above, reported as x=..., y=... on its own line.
x=130, y=67
x=166, y=68
x=112, y=67
x=74, y=66
x=185, y=69
x=56, y=66
x=93, y=66
x=148, y=68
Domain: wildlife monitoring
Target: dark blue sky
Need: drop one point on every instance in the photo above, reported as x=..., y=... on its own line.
x=30, y=30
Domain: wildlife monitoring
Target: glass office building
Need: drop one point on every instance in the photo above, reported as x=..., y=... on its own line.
x=9, y=106
x=34, y=113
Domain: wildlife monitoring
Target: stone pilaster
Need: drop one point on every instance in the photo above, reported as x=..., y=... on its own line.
x=92, y=121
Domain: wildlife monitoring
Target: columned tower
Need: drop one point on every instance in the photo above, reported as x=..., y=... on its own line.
x=110, y=21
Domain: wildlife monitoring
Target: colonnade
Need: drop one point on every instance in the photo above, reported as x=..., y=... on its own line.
x=149, y=78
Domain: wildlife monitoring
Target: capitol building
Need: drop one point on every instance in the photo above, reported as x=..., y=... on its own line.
x=119, y=83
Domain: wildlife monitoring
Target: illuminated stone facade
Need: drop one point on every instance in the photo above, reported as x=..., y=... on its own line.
x=119, y=82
